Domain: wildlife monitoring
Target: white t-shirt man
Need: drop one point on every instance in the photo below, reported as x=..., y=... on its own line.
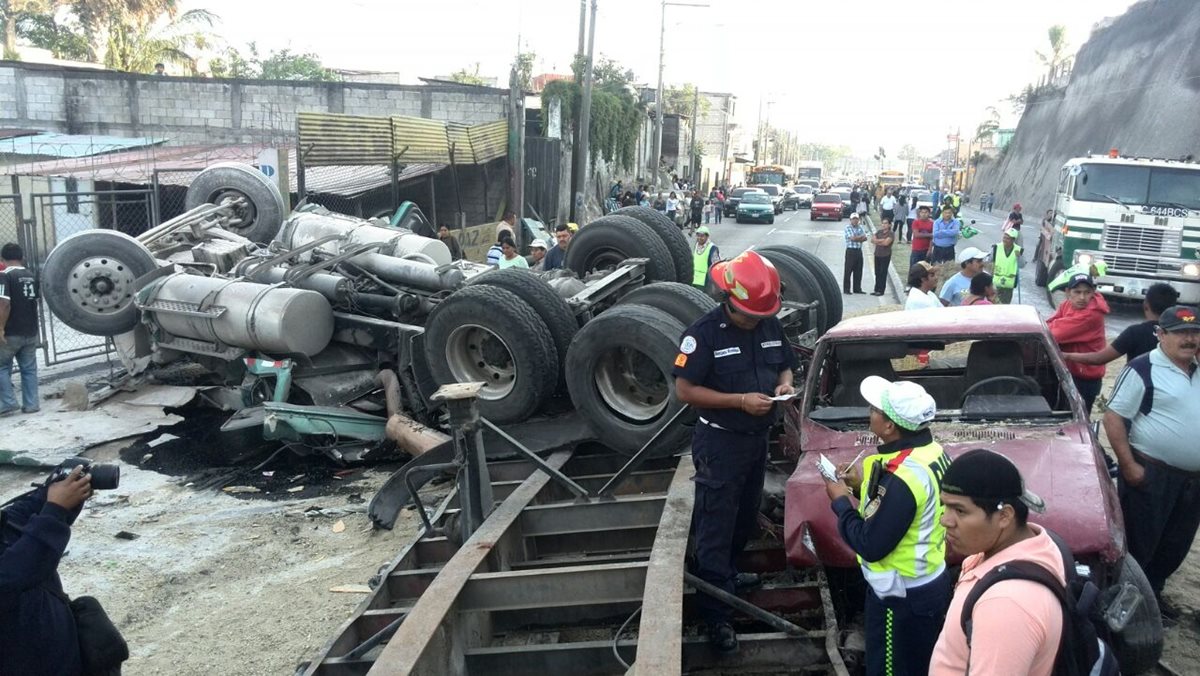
x=919, y=300
x=888, y=203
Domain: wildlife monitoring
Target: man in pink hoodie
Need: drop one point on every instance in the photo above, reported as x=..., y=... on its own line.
x=1016, y=625
x=1078, y=326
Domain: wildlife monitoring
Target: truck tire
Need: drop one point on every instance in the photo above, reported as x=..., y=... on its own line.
x=824, y=276
x=684, y=302
x=1140, y=645
x=800, y=285
x=668, y=232
x=606, y=242
x=265, y=209
x=550, y=307
x=88, y=281
x=619, y=375
x=488, y=334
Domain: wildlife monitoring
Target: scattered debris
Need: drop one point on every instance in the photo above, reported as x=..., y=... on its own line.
x=126, y=535
x=295, y=489
x=351, y=589
x=75, y=396
x=339, y=526
x=240, y=489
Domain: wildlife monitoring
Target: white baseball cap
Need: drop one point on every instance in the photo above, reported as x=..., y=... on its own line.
x=905, y=403
x=970, y=253
x=1013, y=232
x=538, y=244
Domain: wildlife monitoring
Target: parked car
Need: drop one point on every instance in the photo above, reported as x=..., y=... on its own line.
x=826, y=205
x=734, y=198
x=847, y=205
x=791, y=200
x=776, y=193
x=922, y=198
x=1000, y=382
x=804, y=194
x=756, y=206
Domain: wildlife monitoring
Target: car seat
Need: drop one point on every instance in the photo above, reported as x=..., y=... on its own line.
x=992, y=358
x=856, y=362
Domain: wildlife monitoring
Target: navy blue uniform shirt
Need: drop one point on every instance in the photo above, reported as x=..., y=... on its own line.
x=716, y=354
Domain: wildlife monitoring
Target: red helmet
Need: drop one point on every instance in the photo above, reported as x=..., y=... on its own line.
x=751, y=282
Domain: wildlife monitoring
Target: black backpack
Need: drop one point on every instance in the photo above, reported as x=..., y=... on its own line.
x=1081, y=651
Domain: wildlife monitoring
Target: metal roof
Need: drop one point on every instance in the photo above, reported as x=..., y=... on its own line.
x=49, y=144
x=178, y=165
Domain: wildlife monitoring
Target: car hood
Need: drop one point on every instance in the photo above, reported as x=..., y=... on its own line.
x=1058, y=463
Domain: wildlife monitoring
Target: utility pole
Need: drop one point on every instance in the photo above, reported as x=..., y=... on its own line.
x=585, y=120
x=658, y=93
x=582, y=26
x=516, y=152
x=758, y=148
x=695, y=124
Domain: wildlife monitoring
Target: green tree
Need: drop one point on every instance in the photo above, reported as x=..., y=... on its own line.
x=136, y=46
x=283, y=64
x=680, y=101
x=1057, y=35
x=17, y=16
x=988, y=127
x=524, y=65
x=464, y=76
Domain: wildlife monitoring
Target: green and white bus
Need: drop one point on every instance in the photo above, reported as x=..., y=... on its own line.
x=1139, y=217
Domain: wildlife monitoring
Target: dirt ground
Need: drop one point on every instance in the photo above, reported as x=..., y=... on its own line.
x=220, y=583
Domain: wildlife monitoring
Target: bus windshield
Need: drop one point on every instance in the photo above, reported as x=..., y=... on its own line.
x=1139, y=185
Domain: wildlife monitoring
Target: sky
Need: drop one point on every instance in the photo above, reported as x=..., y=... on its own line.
x=866, y=75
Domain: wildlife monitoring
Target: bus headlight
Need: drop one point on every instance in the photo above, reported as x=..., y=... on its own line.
x=1191, y=270
x=1085, y=259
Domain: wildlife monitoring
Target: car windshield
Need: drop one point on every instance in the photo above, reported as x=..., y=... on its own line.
x=756, y=198
x=828, y=198
x=1139, y=185
x=845, y=195
x=803, y=189
x=922, y=195
x=772, y=190
x=740, y=192
x=972, y=379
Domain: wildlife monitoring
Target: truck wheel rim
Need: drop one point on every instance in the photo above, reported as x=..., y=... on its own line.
x=101, y=285
x=605, y=259
x=631, y=384
x=244, y=211
x=476, y=354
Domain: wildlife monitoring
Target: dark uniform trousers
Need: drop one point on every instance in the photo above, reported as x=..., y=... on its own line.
x=729, y=481
x=910, y=627
x=1166, y=509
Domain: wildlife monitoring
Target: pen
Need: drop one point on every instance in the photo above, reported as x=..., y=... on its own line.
x=853, y=462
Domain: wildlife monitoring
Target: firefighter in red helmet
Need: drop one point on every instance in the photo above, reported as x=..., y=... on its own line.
x=730, y=363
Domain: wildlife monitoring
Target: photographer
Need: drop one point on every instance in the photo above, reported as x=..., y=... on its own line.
x=37, y=622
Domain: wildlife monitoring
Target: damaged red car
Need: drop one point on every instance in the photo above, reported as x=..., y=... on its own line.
x=1000, y=383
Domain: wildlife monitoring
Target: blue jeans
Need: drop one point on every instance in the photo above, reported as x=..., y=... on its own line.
x=24, y=348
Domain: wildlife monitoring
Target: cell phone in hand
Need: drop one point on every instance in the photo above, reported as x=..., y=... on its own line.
x=827, y=469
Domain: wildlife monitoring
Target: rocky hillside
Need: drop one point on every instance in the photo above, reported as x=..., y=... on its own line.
x=1135, y=87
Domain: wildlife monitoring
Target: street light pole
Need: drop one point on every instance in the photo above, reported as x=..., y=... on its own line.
x=585, y=120
x=658, y=93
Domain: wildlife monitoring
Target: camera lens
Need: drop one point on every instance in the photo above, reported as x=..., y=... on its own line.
x=105, y=477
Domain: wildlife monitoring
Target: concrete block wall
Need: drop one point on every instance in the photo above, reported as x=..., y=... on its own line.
x=203, y=110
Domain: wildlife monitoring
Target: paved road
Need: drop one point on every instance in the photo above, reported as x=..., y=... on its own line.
x=823, y=238
x=1124, y=313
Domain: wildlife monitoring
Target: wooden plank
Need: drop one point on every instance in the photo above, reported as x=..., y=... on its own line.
x=660, y=631
x=425, y=642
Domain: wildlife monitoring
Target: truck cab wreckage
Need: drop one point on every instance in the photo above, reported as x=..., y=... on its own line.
x=549, y=395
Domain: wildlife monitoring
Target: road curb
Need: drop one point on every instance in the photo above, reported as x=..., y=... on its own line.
x=897, y=284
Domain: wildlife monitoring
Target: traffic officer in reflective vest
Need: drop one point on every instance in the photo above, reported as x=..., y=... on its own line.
x=896, y=529
x=704, y=255
x=1006, y=258
x=730, y=363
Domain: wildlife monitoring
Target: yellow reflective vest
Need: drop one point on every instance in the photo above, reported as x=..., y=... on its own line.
x=700, y=264
x=1004, y=266
x=921, y=554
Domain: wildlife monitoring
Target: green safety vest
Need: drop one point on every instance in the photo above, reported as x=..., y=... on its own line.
x=1004, y=267
x=922, y=550
x=700, y=264
x=956, y=201
x=1060, y=282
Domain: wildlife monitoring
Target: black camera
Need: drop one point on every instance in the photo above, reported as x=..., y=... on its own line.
x=104, y=477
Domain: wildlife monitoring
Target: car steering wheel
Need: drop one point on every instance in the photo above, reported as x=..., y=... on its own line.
x=1016, y=385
